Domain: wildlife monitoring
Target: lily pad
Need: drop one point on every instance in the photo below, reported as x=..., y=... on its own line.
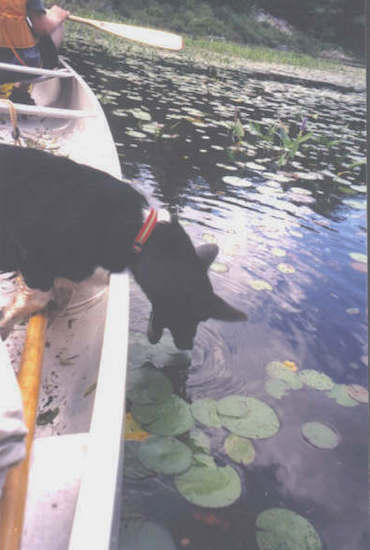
x=316, y=380
x=239, y=449
x=132, y=467
x=282, y=529
x=219, y=267
x=199, y=441
x=359, y=393
x=358, y=257
x=286, y=268
x=141, y=115
x=277, y=388
x=209, y=486
x=234, y=180
x=260, y=285
x=320, y=435
x=172, y=417
x=278, y=252
x=140, y=534
x=275, y=369
x=148, y=385
x=205, y=411
x=341, y=396
x=260, y=422
x=165, y=455
x=233, y=405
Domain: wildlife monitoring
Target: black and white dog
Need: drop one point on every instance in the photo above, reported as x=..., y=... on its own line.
x=60, y=219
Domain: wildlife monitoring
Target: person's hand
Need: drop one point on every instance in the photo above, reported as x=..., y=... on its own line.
x=58, y=14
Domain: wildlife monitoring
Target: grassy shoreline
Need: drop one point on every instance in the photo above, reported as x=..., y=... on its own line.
x=209, y=50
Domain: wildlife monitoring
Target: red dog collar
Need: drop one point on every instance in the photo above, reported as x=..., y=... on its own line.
x=145, y=231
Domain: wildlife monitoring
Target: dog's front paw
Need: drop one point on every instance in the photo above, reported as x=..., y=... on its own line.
x=25, y=302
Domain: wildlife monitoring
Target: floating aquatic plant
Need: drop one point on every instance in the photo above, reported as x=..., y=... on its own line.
x=357, y=392
x=140, y=534
x=286, y=268
x=340, y=393
x=260, y=285
x=320, y=435
x=148, y=385
x=210, y=485
x=165, y=455
x=277, y=388
x=239, y=449
x=171, y=417
x=233, y=405
x=198, y=441
x=275, y=369
x=132, y=467
x=205, y=411
x=316, y=380
x=259, y=422
x=282, y=529
x=358, y=257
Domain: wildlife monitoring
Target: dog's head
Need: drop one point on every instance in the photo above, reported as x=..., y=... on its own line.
x=173, y=275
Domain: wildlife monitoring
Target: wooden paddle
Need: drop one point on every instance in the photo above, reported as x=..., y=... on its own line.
x=12, y=504
x=148, y=37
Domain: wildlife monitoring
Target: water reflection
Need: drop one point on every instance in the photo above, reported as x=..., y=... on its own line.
x=172, y=124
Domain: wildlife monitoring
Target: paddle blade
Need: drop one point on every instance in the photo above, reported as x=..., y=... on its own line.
x=148, y=37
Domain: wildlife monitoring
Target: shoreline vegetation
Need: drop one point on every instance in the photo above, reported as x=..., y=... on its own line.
x=289, y=50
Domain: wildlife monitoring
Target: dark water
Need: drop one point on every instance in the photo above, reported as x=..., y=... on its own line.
x=315, y=315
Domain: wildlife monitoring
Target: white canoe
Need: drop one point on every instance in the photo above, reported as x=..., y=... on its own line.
x=72, y=500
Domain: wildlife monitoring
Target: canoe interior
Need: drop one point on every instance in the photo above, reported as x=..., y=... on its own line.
x=74, y=340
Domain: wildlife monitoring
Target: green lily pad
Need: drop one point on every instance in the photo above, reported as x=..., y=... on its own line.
x=239, y=449
x=140, y=534
x=341, y=396
x=132, y=467
x=171, y=417
x=219, y=267
x=275, y=369
x=320, y=435
x=205, y=411
x=148, y=385
x=202, y=459
x=209, y=486
x=358, y=257
x=234, y=180
x=359, y=393
x=260, y=285
x=233, y=405
x=133, y=133
x=260, y=422
x=277, y=388
x=209, y=238
x=199, y=441
x=162, y=354
x=282, y=529
x=286, y=268
x=141, y=115
x=316, y=380
x=165, y=455
x=278, y=252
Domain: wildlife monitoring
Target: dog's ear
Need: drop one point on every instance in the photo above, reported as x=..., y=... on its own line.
x=225, y=312
x=207, y=253
x=155, y=329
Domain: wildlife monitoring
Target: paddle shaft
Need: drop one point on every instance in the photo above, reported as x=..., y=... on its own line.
x=12, y=504
x=142, y=35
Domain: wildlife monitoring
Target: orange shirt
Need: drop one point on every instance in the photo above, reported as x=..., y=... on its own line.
x=14, y=29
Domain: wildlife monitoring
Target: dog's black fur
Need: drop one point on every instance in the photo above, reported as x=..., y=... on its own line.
x=63, y=219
